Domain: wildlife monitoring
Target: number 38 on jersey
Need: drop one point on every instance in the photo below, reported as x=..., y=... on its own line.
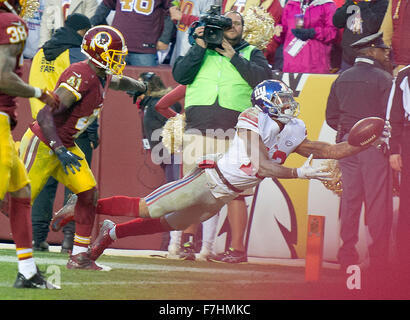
x=17, y=33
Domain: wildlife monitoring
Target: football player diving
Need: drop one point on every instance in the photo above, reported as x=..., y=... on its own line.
x=265, y=135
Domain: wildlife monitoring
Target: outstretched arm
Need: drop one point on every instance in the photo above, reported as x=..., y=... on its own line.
x=265, y=167
x=125, y=83
x=325, y=150
x=12, y=85
x=164, y=104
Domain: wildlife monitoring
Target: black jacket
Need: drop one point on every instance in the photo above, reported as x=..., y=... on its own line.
x=186, y=68
x=153, y=120
x=398, y=118
x=372, y=14
x=359, y=92
x=64, y=38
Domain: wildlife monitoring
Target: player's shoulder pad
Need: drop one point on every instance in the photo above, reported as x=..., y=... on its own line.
x=250, y=115
x=299, y=125
x=79, y=70
x=13, y=29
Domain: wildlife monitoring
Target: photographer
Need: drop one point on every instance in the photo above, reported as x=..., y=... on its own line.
x=219, y=86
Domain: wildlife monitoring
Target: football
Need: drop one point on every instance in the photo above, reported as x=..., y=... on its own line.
x=365, y=131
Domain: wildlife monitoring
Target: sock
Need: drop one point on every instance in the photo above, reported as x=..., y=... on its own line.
x=119, y=206
x=175, y=237
x=209, y=233
x=26, y=264
x=138, y=227
x=80, y=244
x=20, y=222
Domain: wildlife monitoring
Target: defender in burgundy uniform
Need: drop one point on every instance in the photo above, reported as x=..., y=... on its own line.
x=13, y=176
x=48, y=149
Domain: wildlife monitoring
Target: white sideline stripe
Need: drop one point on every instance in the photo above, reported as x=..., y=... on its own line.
x=150, y=267
x=153, y=282
x=151, y=253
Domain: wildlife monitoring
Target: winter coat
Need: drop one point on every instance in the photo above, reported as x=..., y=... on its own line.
x=314, y=57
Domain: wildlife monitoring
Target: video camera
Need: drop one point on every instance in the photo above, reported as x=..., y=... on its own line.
x=215, y=24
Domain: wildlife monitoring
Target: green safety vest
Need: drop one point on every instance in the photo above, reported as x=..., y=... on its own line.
x=218, y=78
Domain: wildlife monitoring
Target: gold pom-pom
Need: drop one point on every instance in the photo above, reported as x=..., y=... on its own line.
x=29, y=8
x=172, y=133
x=335, y=184
x=258, y=27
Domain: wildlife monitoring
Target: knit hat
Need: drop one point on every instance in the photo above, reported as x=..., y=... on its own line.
x=77, y=21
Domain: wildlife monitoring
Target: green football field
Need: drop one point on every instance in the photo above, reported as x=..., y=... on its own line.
x=155, y=278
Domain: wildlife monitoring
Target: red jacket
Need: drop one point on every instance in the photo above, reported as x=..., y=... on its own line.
x=401, y=32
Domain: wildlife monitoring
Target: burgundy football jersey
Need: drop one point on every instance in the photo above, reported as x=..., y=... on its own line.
x=13, y=30
x=82, y=81
x=141, y=22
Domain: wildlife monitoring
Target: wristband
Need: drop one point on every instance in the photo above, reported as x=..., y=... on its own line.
x=297, y=172
x=37, y=92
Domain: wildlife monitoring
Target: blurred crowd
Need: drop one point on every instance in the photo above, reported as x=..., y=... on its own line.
x=158, y=35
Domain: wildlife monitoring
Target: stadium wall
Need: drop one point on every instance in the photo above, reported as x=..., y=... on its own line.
x=278, y=211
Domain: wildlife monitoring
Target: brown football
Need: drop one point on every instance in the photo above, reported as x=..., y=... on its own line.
x=365, y=131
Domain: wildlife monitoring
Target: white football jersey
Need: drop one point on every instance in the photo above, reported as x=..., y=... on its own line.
x=235, y=164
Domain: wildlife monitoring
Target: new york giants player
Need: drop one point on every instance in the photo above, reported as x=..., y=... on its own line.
x=48, y=149
x=13, y=176
x=265, y=135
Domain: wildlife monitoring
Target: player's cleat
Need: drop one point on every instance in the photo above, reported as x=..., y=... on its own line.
x=64, y=215
x=230, y=256
x=82, y=261
x=102, y=241
x=188, y=251
x=35, y=282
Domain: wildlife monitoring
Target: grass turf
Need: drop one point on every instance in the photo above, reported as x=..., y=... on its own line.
x=145, y=278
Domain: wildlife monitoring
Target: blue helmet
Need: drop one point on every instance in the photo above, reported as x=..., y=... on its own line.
x=276, y=99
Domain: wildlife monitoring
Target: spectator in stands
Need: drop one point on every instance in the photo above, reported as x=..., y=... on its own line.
x=49, y=62
x=33, y=37
x=238, y=65
x=274, y=7
x=396, y=30
x=307, y=34
x=359, y=92
x=359, y=20
x=56, y=11
x=141, y=23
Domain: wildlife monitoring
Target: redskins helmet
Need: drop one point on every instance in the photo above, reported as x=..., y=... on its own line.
x=276, y=99
x=105, y=47
x=23, y=8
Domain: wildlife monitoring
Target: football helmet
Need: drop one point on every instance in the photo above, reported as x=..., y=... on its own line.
x=276, y=99
x=105, y=47
x=23, y=8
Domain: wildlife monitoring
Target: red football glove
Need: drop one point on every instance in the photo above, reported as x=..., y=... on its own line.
x=50, y=98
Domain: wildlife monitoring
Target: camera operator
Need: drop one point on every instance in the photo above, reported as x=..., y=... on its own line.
x=219, y=86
